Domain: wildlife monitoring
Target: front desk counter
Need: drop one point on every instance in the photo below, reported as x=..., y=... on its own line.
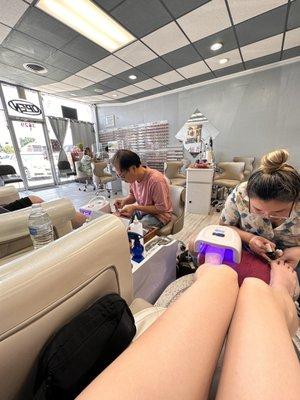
x=152, y=275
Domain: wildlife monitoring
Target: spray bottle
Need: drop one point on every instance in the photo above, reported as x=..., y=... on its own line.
x=137, y=227
x=137, y=249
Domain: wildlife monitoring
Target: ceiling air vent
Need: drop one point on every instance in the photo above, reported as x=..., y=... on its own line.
x=35, y=68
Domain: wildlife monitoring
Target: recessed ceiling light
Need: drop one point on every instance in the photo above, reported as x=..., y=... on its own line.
x=86, y=18
x=132, y=77
x=115, y=95
x=224, y=60
x=216, y=46
x=98, y=90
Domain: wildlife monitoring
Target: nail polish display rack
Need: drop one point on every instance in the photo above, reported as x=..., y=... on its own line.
x=149, y=140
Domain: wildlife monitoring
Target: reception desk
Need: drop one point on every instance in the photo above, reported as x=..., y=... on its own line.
x=198, y=190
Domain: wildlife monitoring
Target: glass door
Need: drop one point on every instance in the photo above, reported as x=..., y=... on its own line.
x=7, y=151
x=34, y=153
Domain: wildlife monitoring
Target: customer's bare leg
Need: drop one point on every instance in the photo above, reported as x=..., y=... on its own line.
x=260, y=361
x=176, y=357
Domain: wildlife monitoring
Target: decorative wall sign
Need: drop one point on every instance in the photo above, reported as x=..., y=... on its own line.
x=197, y=134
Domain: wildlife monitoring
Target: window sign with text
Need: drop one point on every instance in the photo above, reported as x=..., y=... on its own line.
x=27, y=107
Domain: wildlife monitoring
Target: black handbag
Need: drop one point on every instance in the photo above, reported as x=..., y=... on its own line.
x=83, y=348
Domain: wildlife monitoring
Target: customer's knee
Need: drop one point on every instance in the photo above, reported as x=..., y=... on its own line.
x=35, y=199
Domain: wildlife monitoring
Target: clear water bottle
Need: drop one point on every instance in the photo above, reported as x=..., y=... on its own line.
x=40, y=227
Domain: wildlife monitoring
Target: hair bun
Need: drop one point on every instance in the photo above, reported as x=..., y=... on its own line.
x=274, y=161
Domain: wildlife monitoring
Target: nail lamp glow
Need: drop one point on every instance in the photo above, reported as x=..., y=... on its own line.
x=219, y=243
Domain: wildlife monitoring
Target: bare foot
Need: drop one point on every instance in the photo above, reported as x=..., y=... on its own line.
x=284, y=282
x=283, y=278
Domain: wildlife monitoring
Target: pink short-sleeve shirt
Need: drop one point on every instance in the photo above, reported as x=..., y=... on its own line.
x=153, y=190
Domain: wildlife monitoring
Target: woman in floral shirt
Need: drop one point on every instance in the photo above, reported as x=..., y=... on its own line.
x=266, y=210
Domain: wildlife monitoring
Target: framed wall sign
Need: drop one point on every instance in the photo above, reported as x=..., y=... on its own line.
x=109, y=121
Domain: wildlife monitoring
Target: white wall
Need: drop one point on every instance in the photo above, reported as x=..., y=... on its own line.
x=254, y=113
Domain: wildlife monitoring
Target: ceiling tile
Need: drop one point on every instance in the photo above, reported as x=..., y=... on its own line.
x=113, y=83
x=206, y=20
x=290, y=53
x=77, y=81
x=226, y=37
x=168, y=77
x=24, y=44
x=17, y=60
x=12, y=11
x=93, y=74
x=178, y=84
x=181, y=57
x=108, y=4
x=141, y=17
x=229, y=70
x=84, y=49
x=136, y=53
x=159, y=90
x=179, y=7
x=142, y=95
x=95, y=89
x=140, y=76
x=131, y=90
x=125, y=99
x=201, y=78
x=195, y=69
x=60, y=87
x=262, y=48
x=21, y=77
x=292, y=38
x=11, y=74
x=119, y=95
x=294, y=15
x=148, y=84
x=166, y=39
x=261, y=27
x=112, y=65
x=155, y=67
x=43, y=27
x=95, y=98
x=233, y=56
x=264, y=60
x=4, y=31
x=45, y=89
x=243, y=10
x=65, y=62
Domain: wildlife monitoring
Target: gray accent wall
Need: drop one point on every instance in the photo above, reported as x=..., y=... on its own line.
x=254, y=113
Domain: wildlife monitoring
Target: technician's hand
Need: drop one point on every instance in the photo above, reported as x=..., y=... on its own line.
x=119, y=203
x=260, y=246
x=128, y=210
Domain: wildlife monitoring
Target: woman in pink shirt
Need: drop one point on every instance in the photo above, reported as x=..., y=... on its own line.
x=149, y=196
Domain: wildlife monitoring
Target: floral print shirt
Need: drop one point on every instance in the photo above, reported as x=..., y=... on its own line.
x=236, y=213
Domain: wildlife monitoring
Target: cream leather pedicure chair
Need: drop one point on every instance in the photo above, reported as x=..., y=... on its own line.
x=44, y=289
x=14, y=234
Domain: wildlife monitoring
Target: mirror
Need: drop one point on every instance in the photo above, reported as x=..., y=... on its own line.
x=198, y=135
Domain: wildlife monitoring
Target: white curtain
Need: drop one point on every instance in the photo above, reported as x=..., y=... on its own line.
x=82, y=132
x=59, y=126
